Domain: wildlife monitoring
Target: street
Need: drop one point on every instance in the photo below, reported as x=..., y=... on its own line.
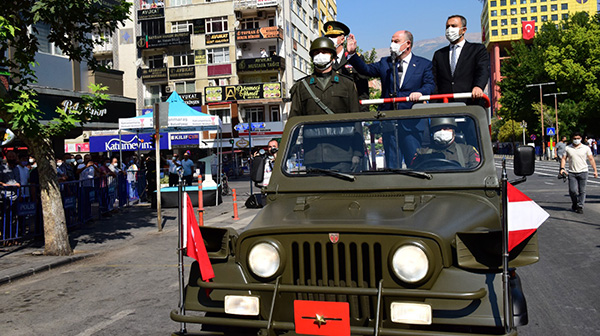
x=133, y=286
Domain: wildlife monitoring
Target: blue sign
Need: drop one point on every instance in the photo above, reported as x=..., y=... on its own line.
x=244, y=126
x=129, y=142
x=27, y=209
x=550, y=131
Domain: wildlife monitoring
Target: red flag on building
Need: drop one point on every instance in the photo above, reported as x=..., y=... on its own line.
x=528, y=29
x=524, y=216
x=193, y=242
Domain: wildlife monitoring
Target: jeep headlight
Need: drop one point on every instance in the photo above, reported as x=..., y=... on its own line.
x=264, y=259
x=410, y=263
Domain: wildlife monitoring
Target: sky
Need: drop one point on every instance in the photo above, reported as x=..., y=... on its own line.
x=373, y=22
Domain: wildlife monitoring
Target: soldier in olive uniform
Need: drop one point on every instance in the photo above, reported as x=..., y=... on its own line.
x=444, y=151
x=337, y=32
x=326, y=90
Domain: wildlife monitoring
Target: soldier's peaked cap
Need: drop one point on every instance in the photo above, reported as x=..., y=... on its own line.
x=335, y=28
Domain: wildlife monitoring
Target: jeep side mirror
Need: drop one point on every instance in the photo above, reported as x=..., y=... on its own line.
x=524, y=163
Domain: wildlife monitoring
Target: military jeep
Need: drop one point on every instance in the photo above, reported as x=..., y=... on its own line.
x=350, y=243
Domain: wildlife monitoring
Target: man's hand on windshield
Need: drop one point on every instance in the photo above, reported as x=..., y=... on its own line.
x=355, y=162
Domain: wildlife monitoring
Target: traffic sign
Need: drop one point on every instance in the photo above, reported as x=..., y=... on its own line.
x=532, y=137
x=550, y=131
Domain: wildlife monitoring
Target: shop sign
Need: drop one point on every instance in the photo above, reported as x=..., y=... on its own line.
x=199, y=26
x=164, y=40
x=216, y=38
x=154, y=74
x=272, y=63
x=192, y=99
x=200, y=57
x=179, y=140
x=266, y=3
x=259, y=33
x=152, y=13
x=242, y=92
x=128, y=142
x=182, y=72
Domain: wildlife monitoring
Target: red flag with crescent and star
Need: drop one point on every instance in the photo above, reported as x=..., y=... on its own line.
x=528, y=29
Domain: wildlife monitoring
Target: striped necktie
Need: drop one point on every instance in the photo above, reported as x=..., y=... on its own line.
x=453, y=59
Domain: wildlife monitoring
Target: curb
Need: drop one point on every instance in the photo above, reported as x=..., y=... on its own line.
x=47, y=267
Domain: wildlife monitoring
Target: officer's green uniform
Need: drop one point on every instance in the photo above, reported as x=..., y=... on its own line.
x=466, y=156
x=338, y=93
x=334, y=28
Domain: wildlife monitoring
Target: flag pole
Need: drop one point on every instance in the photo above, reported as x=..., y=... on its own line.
x=505, y=253
x=180, y=248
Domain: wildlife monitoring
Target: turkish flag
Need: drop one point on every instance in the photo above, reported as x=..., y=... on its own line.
x=528, y=29
x=322, y=318
x=524, y=216
x=192, y=240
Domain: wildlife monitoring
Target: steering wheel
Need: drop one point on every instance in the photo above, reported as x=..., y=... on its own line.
x=436, y=162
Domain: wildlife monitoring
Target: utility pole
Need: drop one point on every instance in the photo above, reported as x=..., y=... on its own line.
x=542, y=114
x=556, y=109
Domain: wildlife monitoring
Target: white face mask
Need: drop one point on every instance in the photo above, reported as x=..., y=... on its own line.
x=395, y=49
x=335, y=41
x=453, y=34
x=322, y=61
x=443, y=137
x=576, y=142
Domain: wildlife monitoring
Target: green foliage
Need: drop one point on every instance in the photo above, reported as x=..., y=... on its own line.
x=510, y=131
x=568, y=55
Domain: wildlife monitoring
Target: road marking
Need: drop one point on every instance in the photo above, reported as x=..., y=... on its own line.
x=102, y=325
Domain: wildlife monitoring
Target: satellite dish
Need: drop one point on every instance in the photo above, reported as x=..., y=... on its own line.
x=236, y=24
x=138, y=62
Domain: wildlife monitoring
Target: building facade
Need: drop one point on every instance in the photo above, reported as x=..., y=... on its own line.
x=501, y=24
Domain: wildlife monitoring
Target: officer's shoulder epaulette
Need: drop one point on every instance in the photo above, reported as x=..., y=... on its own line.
x=346, y=76
x=303, y=78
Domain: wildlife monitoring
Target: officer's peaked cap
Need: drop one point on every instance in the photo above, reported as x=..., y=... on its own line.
x=437, y=123
x=335, y=28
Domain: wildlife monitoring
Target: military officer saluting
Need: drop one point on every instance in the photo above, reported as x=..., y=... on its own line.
x=325, y=91
x=445, y=149
x=337, y=32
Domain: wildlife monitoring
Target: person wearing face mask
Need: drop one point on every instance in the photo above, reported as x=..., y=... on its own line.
x=444, y=147
x=461, y=66
x=337, y=32
x=325, y=91
x=577, y=154
x=402, y=74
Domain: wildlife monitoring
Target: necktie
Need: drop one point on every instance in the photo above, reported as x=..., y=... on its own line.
x=453, y=60
x=400, y=71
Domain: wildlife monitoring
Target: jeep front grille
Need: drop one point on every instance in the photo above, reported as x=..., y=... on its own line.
x=348, y=264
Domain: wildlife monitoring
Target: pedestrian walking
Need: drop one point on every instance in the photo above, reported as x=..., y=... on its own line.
x=577, y=154
x=188, y=168
x=174, y=165
x=560, y=148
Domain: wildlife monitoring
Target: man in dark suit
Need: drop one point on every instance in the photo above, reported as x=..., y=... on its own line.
x=462, y=66
x=337, y=32
x=403, y=74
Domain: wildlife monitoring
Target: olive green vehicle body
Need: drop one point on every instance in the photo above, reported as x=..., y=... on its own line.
x=455, y=217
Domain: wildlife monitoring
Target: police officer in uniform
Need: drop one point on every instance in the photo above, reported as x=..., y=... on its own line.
x=444, y=151
x=337, y=32
x=326, y=91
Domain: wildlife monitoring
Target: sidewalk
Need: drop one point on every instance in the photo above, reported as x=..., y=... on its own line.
x=110, y=233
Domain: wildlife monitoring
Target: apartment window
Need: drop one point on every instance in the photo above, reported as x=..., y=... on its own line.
x=223, y=114
x=292, y=5
x=565, y=16
x=534, y=18
x=504, y=31
x=275, y=116
x=494, y=23
x=513, y=2
x=523, y=10
x=183, y=58
x=156, y=61
x=45, y=46
x=493, y=4
x=502, y=2
x=544, y=18
x=532, y=1
x=533, y=9
x=554, y=17
x=175, y=3
x=216, y=25
x=564, y=6
x=523, y=2
x=513, y=21
x=153, y=27
x=271, y=20
x=218, y=82
x=217, y=55
x=303, y=15
x=503, y=22
x=494, y=13
x=543, y=8
x=250, y=23
x=524, y=18
x=272, y=50
x=185, y=87
x=182, y=26
x=513, y=11
x=553, y=8
x=503, y=12
x=296, y=60
x=514, y=31
x=543, y=0
x=257, y=113
x=494, y=32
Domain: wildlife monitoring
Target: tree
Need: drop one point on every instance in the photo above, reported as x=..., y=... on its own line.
x=71, y=26
x=510, y=131
x=567, y=54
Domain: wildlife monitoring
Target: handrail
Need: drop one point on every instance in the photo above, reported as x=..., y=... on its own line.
x=443, y=96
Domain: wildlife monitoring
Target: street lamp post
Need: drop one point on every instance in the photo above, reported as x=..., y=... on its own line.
x=556, y=109
x=542, y=113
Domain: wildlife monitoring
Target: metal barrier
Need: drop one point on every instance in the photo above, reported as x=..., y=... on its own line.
x=21, y=211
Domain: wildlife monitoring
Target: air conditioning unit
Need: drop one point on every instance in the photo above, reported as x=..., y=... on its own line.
x=260, y=14
x=168, y=88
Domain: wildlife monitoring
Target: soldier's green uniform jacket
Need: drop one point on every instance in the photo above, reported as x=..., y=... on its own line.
x=339, y=94
x=361, y=82
x=465, y=155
